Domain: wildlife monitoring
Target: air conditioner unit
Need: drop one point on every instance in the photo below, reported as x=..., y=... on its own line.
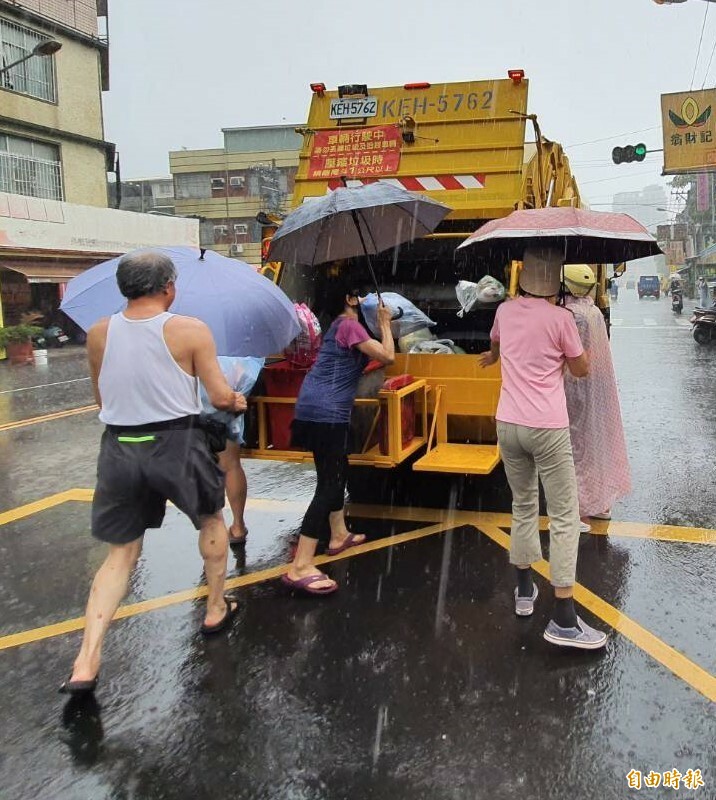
x=236, y=249
x=221, y=230
x=218, y=183
x=237, y=181
x=240, y=229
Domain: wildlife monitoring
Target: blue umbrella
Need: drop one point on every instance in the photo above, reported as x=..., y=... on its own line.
x=247, y=313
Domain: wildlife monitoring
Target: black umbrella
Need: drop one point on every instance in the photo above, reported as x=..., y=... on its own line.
x=361, y=221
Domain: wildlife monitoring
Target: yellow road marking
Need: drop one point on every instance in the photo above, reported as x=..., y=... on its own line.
x=14, y=514
x=133, y=609
x=70, y=412
x=681, y=666
x=489, y=524
x=667, y=533
x=664, y=533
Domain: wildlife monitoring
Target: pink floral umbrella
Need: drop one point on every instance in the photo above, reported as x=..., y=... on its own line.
x=591, y=237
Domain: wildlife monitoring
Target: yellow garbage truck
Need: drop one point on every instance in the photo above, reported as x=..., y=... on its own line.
x=474, y=147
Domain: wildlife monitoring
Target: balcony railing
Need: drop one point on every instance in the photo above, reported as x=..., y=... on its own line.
x=35, y=177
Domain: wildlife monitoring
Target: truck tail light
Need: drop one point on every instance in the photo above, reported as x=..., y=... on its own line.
x=516, y=75
x=423, y=85
x=318, y=88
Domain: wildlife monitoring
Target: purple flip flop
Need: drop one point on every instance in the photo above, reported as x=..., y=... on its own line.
x=304, y=584
x=348, y=542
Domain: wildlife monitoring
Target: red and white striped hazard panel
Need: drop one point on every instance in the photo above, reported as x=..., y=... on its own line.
x=428, y=183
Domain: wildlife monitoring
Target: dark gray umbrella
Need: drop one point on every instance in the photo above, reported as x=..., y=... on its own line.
x=351, y=222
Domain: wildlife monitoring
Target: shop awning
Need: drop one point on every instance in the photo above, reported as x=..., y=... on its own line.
x=45, y=273
x=709, y=252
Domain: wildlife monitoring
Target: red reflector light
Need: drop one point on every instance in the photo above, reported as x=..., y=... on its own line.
x=318, y=88
x=424, y=85
x=516, y=75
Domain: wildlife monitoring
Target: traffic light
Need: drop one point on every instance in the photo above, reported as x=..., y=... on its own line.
x=632, y=152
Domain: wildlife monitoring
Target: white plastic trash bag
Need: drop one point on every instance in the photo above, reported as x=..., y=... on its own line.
x=487, y=290
x=438, y=346
x=406, y=343
x=412, y=319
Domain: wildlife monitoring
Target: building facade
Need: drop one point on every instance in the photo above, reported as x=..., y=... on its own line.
x=46, y=243
x=227, y=187
x=144, y=195
x=52, y=142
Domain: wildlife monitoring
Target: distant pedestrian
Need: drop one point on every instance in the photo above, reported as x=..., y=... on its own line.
x=145, y=365
x=595, y=422
x=535, y=341
x=321, y=425
x=241, y=375
x=703, y=288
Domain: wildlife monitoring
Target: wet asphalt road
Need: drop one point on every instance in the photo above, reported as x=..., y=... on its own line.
x=414, y=681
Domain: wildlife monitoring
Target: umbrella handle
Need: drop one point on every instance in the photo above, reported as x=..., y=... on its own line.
x=398, y=314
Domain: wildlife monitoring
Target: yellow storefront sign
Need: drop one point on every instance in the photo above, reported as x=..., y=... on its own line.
x=689, y=125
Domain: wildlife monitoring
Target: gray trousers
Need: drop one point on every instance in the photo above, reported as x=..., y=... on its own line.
x=544, y=453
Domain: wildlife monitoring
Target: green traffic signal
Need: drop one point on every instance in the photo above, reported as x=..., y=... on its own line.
x=625, y=155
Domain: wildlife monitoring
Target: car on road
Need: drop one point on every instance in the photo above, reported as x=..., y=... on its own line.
x=648, y=286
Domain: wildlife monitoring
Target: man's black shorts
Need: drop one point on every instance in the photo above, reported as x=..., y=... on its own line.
x=138, y=471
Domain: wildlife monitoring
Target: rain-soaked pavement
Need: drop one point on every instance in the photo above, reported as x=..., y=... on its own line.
x=416, y=680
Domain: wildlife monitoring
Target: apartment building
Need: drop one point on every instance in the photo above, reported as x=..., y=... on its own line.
x=52, y=142
x=227, y=187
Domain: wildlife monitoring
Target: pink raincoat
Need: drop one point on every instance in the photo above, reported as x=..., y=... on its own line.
x=595, y=421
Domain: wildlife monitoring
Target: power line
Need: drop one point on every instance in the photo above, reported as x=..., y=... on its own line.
x=616, y=136
x=617, y=178
x=708, y=68
x=701, y=39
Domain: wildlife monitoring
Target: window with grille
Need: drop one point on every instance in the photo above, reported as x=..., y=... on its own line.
x=30, y=168
x=34, y=77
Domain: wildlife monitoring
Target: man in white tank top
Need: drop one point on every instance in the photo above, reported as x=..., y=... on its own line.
x=145, y=365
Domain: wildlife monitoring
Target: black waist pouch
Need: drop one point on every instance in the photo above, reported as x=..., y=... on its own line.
x=216, y=434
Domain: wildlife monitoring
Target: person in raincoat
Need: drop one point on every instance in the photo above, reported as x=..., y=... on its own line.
x=241, y=374
x=595, y=423
x=321, y=425
x=703, y=292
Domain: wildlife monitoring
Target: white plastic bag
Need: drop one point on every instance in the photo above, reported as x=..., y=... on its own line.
x=406, y=343
x=412, y=319
x=437, y=347
x=487, y=290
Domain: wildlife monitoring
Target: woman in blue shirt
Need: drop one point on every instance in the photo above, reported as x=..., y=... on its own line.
x=321, y=425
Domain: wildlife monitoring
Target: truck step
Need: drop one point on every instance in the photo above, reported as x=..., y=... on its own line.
x=460, y=459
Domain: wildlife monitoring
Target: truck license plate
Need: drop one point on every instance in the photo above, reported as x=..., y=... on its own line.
x=353, y=108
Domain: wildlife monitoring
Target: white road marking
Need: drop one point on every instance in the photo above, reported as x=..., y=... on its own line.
x=42, y=386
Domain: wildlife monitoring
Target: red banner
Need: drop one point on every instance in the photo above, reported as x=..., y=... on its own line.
x=355, y=153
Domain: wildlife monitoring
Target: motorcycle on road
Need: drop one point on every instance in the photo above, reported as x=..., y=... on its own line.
x=703, y=324
x=677, y=301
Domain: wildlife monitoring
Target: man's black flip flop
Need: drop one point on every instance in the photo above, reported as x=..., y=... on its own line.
x=77, y=688
x=223, y=623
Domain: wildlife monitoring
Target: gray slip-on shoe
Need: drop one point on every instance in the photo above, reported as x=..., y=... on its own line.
x=525, y=606
x=583, y=637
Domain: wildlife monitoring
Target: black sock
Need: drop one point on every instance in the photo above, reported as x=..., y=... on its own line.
x=564, y=613
x=525, y=584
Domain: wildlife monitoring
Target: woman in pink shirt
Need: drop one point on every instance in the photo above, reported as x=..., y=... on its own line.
x=536, y=340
